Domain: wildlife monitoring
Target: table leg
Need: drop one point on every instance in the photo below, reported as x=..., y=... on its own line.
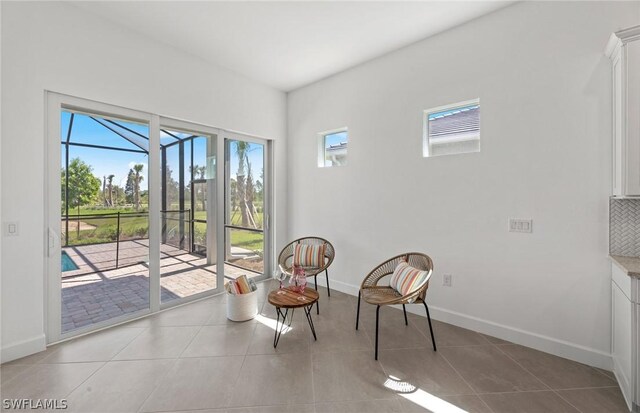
x=307, y=311
x=279, y=331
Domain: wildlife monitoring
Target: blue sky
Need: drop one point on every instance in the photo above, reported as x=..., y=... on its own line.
x=435, y=115
x=255, y=153
x=104, y=162
x=335, y=139
x=118, y=163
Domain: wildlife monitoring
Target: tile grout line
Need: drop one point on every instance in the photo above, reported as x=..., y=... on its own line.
x=475, y=392
x=555, y=391
x=95, y=372
x=87, y=379
x=27, y=367
x=479, y=396
x=537, y=378
x=169, y=370
x=227, y=403
x=397, y=396
x=546, y=390
x=175, y=362
x=522, y=367
x=313, y=385
x=159, y=382
x=605, y=374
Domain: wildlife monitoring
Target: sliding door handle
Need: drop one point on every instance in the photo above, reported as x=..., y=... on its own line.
x=52, y=241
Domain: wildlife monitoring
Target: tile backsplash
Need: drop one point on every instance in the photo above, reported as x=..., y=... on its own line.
x=624, y=227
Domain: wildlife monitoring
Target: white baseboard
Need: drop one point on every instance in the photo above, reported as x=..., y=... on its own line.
x=23, y=348
x=561, y=348
x=340, y=286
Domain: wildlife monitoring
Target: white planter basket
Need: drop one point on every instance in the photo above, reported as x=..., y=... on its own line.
x=242, y=307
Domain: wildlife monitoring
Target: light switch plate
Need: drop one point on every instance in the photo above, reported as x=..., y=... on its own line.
x=520, y=225
x=10, y=229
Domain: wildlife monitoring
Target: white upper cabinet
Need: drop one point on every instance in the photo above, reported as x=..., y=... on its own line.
x=624, y=51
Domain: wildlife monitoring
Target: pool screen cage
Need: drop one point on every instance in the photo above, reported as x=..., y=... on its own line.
x=179, y=220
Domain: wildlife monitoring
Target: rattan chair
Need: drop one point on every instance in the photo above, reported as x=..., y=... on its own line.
x=285, y=261
x=380, y=295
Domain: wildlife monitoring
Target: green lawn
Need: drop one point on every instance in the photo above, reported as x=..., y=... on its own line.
x=105, y=229
x=104, y=211
x=244, y=239
x=137, y=227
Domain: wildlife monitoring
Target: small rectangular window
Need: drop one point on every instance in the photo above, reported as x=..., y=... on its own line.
x=452, y=129
x=332, y=148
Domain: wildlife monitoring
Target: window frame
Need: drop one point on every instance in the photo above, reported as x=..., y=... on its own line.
x=322, y=146
x=426, y=145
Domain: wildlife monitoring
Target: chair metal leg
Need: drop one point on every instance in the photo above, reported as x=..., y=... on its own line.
x=433, y=339
x=404, y=309
x=307, y=312
x=326, y=272
x=358, y=312
x=315, y=286
x=377, y=317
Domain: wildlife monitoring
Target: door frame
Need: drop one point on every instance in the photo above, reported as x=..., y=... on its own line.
x=268, y=257
x=55, y=103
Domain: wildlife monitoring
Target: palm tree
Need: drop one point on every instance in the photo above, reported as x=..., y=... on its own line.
x=110, y=188
x=104, y=191
x=137, y=168
x=250, y=196
x=241, y=153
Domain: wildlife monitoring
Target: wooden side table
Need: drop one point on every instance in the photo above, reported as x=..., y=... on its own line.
x=289, y=299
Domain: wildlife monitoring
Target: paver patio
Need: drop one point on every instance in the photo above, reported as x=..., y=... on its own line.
x=89, y=298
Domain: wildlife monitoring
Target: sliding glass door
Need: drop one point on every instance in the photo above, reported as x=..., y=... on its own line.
x=142, y=215
x=189, y=208
x=99, y=196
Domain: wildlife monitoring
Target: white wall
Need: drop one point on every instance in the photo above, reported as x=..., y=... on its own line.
x=53, y=46
x=544, y=85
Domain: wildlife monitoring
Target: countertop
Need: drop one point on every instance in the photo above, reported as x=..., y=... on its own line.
x=631, y=265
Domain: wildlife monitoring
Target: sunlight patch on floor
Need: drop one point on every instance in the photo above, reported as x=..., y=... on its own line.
x=420, y=397
x=271, y=323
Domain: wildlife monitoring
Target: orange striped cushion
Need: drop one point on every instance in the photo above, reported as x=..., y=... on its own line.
x=405, y=278
x=306, y=255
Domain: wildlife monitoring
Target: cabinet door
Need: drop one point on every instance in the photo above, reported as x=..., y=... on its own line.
x=635, y=357
x=621, y=339
x=632, y=112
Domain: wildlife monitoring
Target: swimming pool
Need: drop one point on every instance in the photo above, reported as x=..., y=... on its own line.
x=67, y=263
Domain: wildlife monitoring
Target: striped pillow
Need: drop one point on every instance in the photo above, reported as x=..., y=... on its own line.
x=405, y=278
x=306, y=255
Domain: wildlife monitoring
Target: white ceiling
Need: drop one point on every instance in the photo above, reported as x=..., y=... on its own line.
x=289, y=44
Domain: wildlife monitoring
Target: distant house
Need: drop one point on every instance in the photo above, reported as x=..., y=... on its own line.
x=336, y=154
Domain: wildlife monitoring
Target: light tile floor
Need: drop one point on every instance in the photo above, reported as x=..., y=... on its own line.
x=192, y=358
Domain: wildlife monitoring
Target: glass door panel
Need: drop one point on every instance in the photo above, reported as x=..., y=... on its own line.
x=188, y=251
x=245, y=208
x=104, y=218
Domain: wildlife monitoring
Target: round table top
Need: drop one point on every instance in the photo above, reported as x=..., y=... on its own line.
x=292, y=299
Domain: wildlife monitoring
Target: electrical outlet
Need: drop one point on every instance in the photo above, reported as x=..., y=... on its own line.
x=520, y=225
x=446, y=280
